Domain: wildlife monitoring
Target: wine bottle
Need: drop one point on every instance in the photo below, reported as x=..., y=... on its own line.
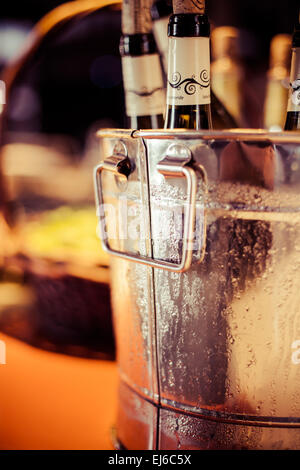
x=293, y=111
x=161, y=11
x=277, y=82
x=141, y=67
x=188, y=87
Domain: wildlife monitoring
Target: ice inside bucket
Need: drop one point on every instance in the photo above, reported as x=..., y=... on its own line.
x=208, y=352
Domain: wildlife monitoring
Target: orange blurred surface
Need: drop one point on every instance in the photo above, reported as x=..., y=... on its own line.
x=52, y=401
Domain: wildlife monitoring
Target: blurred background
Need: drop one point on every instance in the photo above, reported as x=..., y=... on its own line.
x=62, y=72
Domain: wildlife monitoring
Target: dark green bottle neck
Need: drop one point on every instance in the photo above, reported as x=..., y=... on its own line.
x=137, y=44
x=292, y=121
x=188, y=25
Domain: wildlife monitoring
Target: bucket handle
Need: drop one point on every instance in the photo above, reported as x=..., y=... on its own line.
x=169, y=167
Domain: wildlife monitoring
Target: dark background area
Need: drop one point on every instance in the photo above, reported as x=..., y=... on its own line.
x=29, y=10
x=259, y=15
x=257, y=19
x=265, y=18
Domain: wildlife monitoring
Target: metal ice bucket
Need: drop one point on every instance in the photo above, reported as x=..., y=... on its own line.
x=204, y=233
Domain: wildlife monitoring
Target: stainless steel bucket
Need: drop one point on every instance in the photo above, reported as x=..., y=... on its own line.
x=204, y=232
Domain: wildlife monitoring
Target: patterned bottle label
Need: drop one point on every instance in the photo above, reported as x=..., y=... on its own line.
x=188, y=71
x=143, y=85
x=294, y=93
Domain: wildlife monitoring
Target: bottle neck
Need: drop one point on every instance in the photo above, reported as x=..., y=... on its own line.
x=137, y=44
x=142, y=76
x=188, y=25
x=189, y=60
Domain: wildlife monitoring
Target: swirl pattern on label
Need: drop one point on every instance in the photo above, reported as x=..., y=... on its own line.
x=190, y=84
x=189, y=71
